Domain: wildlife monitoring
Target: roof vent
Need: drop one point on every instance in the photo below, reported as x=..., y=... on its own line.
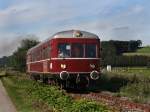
x=77, y=34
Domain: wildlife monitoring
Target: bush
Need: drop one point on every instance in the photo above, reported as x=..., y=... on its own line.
x=56, y=99
x=139, y=92
x=124, y=61
x=86, y=106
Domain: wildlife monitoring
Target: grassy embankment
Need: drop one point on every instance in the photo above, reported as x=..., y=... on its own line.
x=135, y=81
x=144, y=51
x=2, y=72
x=132, y=82
x=30, y=96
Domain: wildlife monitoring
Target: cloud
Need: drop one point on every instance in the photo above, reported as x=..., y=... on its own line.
x=21, y=14
x=123, y=33
x=137, y=9
x=9, y=45
x=109, y=19
x=29, y=12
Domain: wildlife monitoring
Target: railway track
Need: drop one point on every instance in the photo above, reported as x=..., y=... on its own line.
x=117, y=103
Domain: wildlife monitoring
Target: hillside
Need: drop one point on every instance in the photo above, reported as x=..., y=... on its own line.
x=144, y=51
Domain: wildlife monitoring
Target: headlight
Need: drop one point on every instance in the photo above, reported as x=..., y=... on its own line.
x=63, y=66
x=92, y=65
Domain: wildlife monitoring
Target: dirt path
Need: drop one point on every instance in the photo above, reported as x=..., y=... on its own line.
x=5, y=103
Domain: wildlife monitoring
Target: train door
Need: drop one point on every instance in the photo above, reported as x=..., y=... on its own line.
x=46, y=57
x=45, y=66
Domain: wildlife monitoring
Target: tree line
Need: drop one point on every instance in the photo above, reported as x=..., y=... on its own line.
x=18, y=59
x=111, y=54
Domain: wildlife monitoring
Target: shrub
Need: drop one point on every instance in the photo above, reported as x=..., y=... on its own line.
x=139, y=92
x=56, y=99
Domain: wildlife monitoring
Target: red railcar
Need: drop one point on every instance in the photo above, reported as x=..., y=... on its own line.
x=66, y=56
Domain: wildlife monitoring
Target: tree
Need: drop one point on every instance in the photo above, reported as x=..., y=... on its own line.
x=18, y=59
x=3, y=61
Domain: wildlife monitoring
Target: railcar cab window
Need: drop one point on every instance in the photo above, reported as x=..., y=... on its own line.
x=77, y=50
x=90, y=50
x=64, y=50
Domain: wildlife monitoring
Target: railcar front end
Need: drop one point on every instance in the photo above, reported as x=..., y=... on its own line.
x=69, y=56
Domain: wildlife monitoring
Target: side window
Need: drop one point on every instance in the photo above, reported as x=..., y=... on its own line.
x=48, y=52
x=29, y=58
x=64, y=50
x=36, y=55
x=40, y=54
x=33, y=58
x=44, y=53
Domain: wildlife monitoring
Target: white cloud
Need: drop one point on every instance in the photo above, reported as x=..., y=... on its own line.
x=8, y=43
x=44, y=18
x=137, y=9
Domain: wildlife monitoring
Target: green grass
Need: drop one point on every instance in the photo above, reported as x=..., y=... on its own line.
x=144, y=51
x=18, y=95
x=137, y=54
x=138, y=92
x=2, y=73
x=138, y=71
x=131, y=82
x=30, y=96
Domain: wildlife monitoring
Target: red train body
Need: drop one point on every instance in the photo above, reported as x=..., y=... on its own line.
x=66, y=55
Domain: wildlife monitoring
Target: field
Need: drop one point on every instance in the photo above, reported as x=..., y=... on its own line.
x=130, y=71
x=2, y=72
x=131, y=82
x=31, y=96
x=145, y=51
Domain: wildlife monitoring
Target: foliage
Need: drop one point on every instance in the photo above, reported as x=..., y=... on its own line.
x=112, y=53
x=120, y=46
x=136, y=54
x=142, y=51
x=18, y=95
x=108, y=49
x=18, y=59
x=3, y=61
x=145, y=49
x=56, y=99
x=131, y=82
x=139, y=92
x=143, y=72
x=86, y=106
x=125, y=61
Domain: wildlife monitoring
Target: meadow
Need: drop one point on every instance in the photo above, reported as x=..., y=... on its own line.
x=130, y=82
x=143, y=51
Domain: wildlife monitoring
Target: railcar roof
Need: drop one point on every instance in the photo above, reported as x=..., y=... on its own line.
x=70, y=34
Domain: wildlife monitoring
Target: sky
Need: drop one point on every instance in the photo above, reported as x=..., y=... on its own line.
x=109, y=19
